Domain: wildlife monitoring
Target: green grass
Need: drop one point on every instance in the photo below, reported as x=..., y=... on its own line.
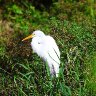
x=91, y=74
x=23, y=73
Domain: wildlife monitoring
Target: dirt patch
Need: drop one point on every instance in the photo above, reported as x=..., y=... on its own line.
x=12, y=40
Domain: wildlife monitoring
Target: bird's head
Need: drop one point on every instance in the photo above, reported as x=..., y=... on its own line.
x=36, y=33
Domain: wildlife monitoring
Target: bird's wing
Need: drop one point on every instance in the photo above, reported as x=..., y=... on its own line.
x=52, y=49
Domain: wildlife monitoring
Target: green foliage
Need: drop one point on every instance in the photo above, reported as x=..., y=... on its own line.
x=67, y=9
x=15, y=9
x=23, y=73
x=91, y=74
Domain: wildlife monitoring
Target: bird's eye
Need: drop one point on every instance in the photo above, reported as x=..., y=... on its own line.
x=38, y=42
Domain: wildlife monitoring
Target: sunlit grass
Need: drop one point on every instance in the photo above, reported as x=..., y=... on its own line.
x=26, y=74
x=91, y=73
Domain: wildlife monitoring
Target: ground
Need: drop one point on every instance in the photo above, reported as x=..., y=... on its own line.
x=23, y=73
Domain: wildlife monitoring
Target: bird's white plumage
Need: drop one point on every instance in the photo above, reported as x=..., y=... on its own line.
x=46, y=47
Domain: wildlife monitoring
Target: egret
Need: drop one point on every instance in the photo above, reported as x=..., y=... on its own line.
x=46, y=48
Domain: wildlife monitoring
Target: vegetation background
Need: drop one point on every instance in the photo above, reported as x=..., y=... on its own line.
x=73, y=25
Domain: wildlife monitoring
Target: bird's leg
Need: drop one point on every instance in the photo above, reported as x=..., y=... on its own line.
x=56, y=68
x=52, y=71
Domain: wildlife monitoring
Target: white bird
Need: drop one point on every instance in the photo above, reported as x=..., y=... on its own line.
x=46, y=47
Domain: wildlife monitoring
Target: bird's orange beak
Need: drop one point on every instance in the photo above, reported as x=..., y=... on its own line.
x=30, y=36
